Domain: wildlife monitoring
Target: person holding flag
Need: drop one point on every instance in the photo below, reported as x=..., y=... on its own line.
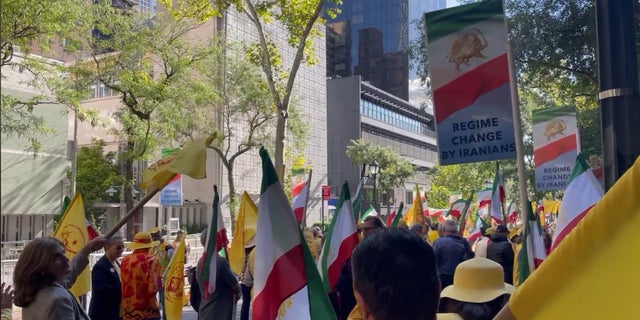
x=43, y=275
x=219, y=287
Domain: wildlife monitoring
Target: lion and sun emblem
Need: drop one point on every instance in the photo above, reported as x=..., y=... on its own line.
x=467, y=46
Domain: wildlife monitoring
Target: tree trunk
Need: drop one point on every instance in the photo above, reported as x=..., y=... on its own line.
x=128, y=194
x=281, y=136
x=233, y=199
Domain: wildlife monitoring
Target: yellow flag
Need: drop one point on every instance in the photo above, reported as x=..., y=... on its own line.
x=415, y=214
x=592, y=274
x=191, y=160
x=244, y=231
x=72, y=230
x=174, y=284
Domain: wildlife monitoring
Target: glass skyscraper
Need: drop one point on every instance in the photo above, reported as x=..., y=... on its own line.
x=370, y=38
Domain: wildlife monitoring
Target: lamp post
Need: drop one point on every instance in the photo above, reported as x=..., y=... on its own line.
x=373, y=169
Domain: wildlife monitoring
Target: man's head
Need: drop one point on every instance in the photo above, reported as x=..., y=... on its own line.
x=449, y=227
x=502, y=230
x=370, y=224
x=155, y=234
x=395, y=277
x=417, y=228
x=114, y=247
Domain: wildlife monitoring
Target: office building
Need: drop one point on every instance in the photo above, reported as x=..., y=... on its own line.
x=370, y=38
x=357, y=109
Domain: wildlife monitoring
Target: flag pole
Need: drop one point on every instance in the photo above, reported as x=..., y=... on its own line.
x=132, y=212
x=306, y=203
x=517, y=128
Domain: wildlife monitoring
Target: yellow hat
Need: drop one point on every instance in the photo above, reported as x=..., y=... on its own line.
x=477, y=280
x=154, y=230
x=513, y=233
x=141, y=240
x=490, y=231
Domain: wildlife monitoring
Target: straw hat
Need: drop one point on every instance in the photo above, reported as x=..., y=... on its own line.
x=154, y=230
x=477, y=280
x=141, y=240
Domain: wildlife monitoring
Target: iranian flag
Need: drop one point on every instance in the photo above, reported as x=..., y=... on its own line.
x=469, y=72
x=475, y=232
x=371, y=211
x=286, y=281
x=512, y=213
x=497, y=199
x=555, y=146
x=300, y=195
x=341, y=239
x=457, y=208
x=357, y=200
x=483, y=202
x=533, y=251
x=216, y=240
x=583, y=192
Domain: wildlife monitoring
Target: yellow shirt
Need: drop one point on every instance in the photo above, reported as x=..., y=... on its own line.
x=433, y=235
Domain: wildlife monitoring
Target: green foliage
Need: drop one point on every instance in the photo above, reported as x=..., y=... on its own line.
x=438, y=197
x=38, y=27
x=394, y=170
x=96, y=171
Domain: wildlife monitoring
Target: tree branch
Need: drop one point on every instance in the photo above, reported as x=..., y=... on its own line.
x=578, y=73
x=299, y=55
x=264, y=57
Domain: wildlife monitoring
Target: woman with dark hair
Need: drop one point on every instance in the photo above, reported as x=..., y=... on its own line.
x=42, y=275
x=478, y=291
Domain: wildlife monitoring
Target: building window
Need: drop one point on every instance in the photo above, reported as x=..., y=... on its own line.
x=100, y=90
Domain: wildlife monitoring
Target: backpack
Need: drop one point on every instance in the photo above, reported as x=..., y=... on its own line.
x=194, y=291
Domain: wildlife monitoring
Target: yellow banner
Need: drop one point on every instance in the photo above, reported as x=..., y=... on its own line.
x=191, y=160
x=72, y=231
x=174, y=284
x=243, y=232
x=592, y=274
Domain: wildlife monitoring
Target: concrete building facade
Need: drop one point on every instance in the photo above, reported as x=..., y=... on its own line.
x=357, y=109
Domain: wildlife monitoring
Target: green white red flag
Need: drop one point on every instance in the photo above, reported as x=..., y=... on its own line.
x=340, y=241
x=483, y=203
x=216, y=240
x=555, y=146
x=469, y=72
x=371, y=211
x=533, y=251
x=300, y=195
x=286, y=280
x=497, y=199
x=457, y=208
x=583, y=192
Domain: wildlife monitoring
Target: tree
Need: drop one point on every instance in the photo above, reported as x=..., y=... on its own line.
x=97, y=171
x=300, y=19
x=239, y=99
x=37, y=27
x=143, y=59
x=394, y=170
x=438, y=197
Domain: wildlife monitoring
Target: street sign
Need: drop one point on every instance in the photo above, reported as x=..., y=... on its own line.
x=326, y=192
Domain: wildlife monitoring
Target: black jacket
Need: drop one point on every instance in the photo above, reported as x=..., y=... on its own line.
x=105, y=291
x=500, y=250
